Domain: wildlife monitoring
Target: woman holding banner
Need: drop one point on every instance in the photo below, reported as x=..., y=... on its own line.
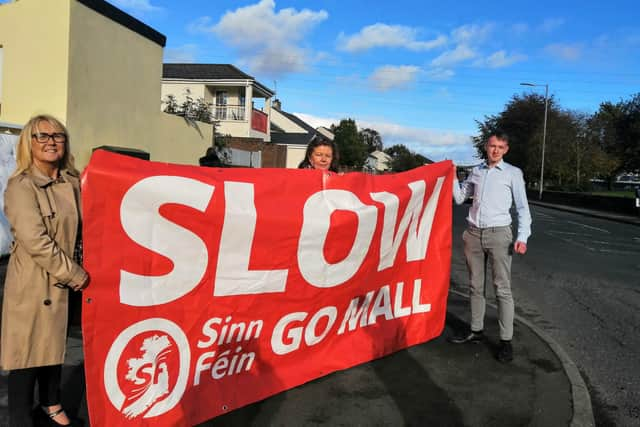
x=42, y=204
x=321, y=154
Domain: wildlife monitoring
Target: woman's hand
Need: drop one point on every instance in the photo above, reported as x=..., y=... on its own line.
x=81, y=286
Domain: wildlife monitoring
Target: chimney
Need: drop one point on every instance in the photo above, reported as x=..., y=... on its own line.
x=277, y=104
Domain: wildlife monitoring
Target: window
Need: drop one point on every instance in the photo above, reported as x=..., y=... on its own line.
x=240, y=112
x=221, y=105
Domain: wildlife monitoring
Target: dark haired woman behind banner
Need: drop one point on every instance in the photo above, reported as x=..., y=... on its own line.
x=321, y=154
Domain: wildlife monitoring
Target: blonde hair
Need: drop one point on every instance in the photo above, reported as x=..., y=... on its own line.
x=24, y=159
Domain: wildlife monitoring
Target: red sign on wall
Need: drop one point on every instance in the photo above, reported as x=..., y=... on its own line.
x=215, y=288
x=259, y=121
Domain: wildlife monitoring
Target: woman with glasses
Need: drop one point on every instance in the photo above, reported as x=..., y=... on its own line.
x=321, y=154
x=42, y=204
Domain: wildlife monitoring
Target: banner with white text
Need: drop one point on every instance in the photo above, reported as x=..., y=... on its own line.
x=215, y=288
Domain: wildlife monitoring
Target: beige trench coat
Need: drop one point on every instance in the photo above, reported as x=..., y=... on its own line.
x=44, y=215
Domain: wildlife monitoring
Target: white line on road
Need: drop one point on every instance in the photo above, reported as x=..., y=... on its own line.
x=589, y=226
x=622, y=245
x=618, y=251
x=569, y=233
x=543, y=215
x=574, y=242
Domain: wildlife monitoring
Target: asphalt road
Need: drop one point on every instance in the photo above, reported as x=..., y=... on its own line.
x=580, y=282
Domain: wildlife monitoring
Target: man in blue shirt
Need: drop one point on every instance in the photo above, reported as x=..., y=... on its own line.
x=495, y=186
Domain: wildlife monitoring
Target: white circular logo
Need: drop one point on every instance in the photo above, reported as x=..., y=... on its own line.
x=149, y=372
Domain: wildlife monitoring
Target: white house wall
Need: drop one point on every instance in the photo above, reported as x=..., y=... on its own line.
x=179, y=90
x=258, y=134
x=295, y=155
x=233, y=128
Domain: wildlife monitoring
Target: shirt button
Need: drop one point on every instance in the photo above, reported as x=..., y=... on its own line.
x=47, y=302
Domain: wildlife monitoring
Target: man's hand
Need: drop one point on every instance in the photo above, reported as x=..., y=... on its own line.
x=520, y=247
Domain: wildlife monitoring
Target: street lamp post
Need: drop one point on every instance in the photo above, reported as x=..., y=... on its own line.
x=544, y=132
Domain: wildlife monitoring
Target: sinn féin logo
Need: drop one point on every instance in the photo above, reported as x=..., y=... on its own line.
x=146, y=370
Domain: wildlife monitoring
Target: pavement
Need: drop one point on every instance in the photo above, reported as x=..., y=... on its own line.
x=435, y=383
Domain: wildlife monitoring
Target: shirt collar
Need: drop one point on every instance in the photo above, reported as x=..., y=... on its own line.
x=499, y=165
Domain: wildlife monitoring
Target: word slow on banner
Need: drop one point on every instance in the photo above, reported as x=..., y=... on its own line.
x=215, y=288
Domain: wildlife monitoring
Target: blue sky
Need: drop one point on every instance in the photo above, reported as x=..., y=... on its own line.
x=419, y=72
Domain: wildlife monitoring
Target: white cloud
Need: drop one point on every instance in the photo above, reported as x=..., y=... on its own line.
x=434, y=144
x=136, y=5
x=393, y=76
x=443, y=93
x=471, y=33
x=383, y=35
x=274, y=61
x=620, y=39
x=181, y=54
x=499, y=59
x=267, y=40
x=440, y=74
x=202, y=24
x=461, y=53
x=551, y=24
x=565, y=52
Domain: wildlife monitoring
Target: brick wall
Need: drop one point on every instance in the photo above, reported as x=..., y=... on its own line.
x=273, y=156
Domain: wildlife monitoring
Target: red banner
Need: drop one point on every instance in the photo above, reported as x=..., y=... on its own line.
x=215, y=288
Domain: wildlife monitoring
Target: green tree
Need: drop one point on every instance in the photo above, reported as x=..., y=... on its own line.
x=371, y=138
x=403, y=159
x=190, y=109
x=522, y=119
x=353, y=152
x=616, y=129
x=567, y=147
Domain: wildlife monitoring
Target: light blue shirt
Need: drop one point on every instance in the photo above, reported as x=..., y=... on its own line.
x=494, y=191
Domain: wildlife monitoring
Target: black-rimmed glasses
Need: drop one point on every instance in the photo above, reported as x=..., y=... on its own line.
x=43, y=138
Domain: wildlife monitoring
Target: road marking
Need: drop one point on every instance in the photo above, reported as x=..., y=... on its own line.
x=618, y=251
x=543, y=215
x=574, y=242
x=589, y=226
x=618, y=246
x=570, y=233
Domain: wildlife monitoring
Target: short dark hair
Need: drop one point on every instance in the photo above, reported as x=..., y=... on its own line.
x=499, y=135
x=316, y=141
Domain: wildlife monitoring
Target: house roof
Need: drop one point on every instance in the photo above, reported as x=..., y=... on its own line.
x=326, y=132
x=210, y=73
x=203, y=72
x=116, y=15
x=297, y=120
x=380, y=155
x=301, y=139
x=276, y=128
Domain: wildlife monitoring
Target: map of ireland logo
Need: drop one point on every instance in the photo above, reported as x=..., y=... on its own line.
x=146, y=369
